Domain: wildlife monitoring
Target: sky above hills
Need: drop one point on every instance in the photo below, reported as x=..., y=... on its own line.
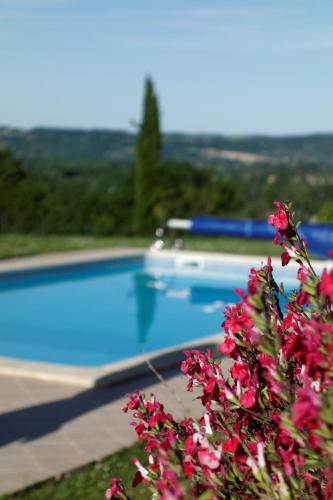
x=222, y=66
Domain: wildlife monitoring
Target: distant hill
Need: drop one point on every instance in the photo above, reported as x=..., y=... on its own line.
x=201, y=149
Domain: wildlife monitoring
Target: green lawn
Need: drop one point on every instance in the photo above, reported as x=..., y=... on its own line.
x=17, y=245
x=91, y=481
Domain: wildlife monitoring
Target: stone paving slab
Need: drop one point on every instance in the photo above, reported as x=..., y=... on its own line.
x=47, y=429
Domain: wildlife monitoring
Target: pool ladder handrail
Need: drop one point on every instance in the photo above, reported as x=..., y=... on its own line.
x=173, y=225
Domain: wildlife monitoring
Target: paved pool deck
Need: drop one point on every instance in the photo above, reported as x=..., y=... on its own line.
x=48, y=428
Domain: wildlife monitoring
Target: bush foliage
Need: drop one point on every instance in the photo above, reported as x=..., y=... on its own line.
x=267, y=426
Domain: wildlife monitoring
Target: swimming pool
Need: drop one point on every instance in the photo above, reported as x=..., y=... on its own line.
x=100, y=313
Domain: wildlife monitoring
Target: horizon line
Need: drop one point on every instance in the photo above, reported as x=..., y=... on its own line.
x=168, y=132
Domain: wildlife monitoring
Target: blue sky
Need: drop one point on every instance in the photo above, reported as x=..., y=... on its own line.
x=225, y=66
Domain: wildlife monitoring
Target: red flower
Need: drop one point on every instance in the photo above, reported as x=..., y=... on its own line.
x=326, y=284
x=329, y=489
x=239, y=371
x=139, y=429
x=156, y=418
x=285, y=258
x=209, y=389
x=287, y=322
x=278, y=366
x=248, y=399
x=269, y=267
x=141, y=473
x=303, y=298
x=134, y=401
x=190, y=445
x=137, y=479
x=253, y=281
x=230, y=445
x=188, y=469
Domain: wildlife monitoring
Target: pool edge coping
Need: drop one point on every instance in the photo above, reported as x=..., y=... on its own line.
x=108, y=374
x=58, y=259
x=130, y=367
x=53, y=260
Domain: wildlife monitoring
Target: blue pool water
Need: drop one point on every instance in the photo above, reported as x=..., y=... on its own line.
x=95, y=314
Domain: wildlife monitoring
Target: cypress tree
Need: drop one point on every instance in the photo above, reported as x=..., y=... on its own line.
x=147, y=167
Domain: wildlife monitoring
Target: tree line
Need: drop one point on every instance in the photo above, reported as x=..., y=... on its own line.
x=101, y=201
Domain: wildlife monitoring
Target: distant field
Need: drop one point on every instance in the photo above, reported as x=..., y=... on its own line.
x=18, y=245
x=119, y=145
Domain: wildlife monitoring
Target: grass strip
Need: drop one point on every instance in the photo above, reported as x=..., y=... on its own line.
x=19, y=245
x=91, y=481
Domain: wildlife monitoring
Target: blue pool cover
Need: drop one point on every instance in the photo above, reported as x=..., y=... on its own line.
x=319, y=237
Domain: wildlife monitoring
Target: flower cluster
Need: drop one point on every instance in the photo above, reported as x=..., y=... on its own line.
x=267, y=425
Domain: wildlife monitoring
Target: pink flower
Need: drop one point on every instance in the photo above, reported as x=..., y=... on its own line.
x=248, y=399
x=326, y=283
x=237, y=318
x=306, y=409
x=290, y=249
x=279, y=219
x=209, y=458
x=114, y=490
x=143, y=471
x=302, y=272
x=227, y=346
